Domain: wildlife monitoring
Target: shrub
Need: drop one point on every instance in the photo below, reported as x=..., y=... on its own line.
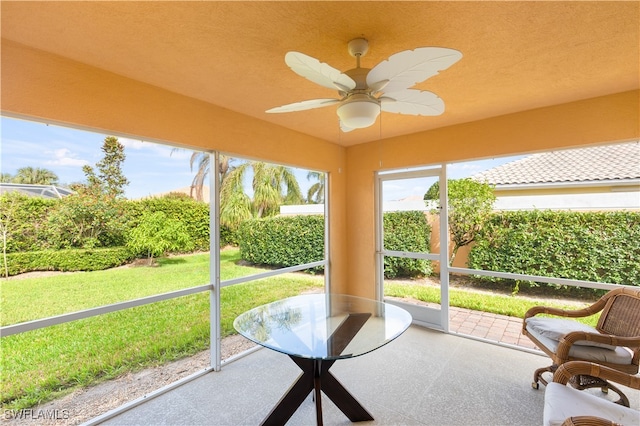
x=87, y=220
x=90, y=221
x=410, y=232
x=26, y=221
x=228, y=237
x=193, y=214
x=157, y=234
x=68, y=260
x=590, y=246
x=294, y=240
x=282, y=241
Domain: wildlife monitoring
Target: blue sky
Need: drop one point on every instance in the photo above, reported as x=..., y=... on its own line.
x=151, y=168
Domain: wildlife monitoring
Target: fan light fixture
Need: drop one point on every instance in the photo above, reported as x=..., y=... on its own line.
x=359, y=112
x=365, y=92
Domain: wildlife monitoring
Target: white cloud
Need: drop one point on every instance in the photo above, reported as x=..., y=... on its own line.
x=465, y=166
x=131, y=143
x=64, y=157
x=388, y=186
x=159, y=150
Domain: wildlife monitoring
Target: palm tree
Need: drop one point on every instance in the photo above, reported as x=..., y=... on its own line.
x=315, y=194
x=202, y=159
x=36, y=176
x=272, y=185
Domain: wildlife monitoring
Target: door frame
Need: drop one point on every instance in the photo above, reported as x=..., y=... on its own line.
x=426, y=316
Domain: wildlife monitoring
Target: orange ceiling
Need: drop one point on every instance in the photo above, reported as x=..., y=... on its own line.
x=516, y=55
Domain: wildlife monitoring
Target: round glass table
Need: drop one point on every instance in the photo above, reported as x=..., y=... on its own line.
x=315, y=330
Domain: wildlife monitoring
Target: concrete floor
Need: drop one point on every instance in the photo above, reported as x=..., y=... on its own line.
x=422, y=378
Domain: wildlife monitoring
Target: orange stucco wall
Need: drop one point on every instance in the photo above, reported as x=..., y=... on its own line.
x=41, y=86
x=593, y=121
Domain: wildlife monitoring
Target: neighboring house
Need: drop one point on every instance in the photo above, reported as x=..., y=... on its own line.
x=595, y=178
x=44, y=191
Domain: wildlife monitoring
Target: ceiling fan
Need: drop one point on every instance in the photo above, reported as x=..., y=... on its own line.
x=365, y=92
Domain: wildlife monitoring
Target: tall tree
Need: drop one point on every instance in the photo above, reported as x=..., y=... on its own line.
x=35, y=176
x=6, y=177
x=92, y=217
x=272, y=185
x=470, y=205
x=315, y=194
x=109, y=180
x=202, y=159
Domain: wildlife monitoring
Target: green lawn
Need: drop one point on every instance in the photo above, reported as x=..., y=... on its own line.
x=33, y=298
x=44, y=364
x=495, y=303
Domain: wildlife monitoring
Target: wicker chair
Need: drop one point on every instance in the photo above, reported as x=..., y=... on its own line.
x=614, y=342
x=570, y=407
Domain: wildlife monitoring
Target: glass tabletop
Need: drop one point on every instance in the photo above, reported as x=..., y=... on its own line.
x=323, y=326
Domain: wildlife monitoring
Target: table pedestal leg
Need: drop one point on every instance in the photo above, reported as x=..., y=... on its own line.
x=316, y=376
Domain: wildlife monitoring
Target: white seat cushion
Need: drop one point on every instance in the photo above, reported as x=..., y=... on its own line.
x=557, y=328
x=562, y=402
x=620, y=355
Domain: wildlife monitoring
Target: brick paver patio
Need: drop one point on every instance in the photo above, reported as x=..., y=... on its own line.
x=499, y=328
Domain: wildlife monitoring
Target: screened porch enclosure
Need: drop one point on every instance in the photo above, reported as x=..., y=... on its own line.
x=201, y=75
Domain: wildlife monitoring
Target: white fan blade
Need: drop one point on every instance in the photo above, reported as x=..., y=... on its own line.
x=318, y=72
x=405, y=69
x=301, y=106
x=412, y=102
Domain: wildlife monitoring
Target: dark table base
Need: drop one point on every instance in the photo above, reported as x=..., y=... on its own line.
x=316, y=377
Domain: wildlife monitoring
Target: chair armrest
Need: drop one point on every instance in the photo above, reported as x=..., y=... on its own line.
x=575, y=368
x=609, y=339
x=578, y=313
x=588, y=421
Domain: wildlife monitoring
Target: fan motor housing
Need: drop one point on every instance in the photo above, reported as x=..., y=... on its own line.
x=359, y=75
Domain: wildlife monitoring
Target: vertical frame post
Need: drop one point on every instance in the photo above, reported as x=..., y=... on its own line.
x=214, y=260
x=327, y=234
x=444, y=248
x=379, y=235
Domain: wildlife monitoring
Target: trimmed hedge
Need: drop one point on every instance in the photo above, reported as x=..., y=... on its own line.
x=590, y=246
x=406, y=231
x=67, y=260
x=293, y=240
x=282, y=241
